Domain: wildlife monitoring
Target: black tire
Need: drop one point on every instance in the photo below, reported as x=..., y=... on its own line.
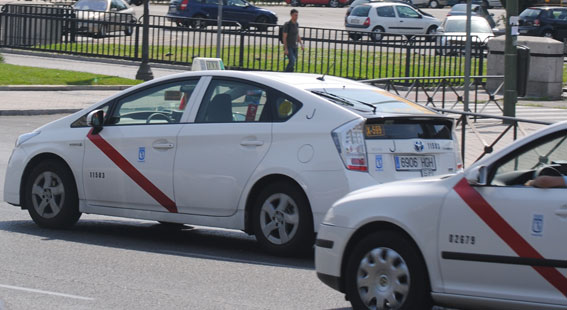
x=404, y=257
x=430, y=32
x=289, y=204
x=434, y=4
x=548, y=34
x=376, y=34
x=51, y=185
x=102, y=31
x=334, y=3
x=355, y=36
x=295, y=2
x=129, y=30
x=197, y=23
x=262, y=20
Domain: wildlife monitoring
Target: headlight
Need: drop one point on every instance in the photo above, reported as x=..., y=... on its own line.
x=25, y=137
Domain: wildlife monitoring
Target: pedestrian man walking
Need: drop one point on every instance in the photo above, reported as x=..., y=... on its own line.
x=290, y=40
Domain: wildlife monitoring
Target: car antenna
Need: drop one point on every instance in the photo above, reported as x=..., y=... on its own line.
x=322, y=77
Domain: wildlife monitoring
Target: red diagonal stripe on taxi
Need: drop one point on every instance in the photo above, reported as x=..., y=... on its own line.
x=507, y=233
x=132, y=172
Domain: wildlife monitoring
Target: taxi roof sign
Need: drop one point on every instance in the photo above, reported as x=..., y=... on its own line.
x=203, y=63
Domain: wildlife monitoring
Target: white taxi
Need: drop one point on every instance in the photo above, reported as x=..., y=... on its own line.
x=267, y=153
x=481, y=239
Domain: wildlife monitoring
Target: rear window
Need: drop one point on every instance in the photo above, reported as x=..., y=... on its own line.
x=385, y=11
x=360, y=11
x=358, y=2
x=432, y=129
x=459, y=25
x=368, y=100
x=530, y=13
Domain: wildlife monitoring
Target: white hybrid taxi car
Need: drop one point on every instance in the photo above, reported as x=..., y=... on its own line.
x=481, y=239
x=267, y=153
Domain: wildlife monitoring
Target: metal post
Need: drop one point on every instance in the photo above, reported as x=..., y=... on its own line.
x=510, y=62
x=219, y=28
x=468, y=57
x=145, y=72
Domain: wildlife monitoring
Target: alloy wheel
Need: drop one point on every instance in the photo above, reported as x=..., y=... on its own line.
x=48, y=194
x=279, y=218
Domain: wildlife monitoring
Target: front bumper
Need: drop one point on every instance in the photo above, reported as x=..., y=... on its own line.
x=14, y=173
x=329, y=251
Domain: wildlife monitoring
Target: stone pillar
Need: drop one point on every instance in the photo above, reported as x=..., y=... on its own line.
x=545, y=79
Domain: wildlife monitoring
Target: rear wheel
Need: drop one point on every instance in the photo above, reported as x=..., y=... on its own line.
x=282, y=220
x=433, y=4
x=354, y=36
x=102, y=30
x=430, y=32
x=377, y=34
x=50, y=195
x=295, y=2
x=385, y=271
x=129, y=30
x=198, y=22
x=334, y=3
x=548, y=34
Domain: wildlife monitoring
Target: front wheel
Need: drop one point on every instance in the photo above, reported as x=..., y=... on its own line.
x=262, y=21
x=50, y=195
x=433, y=4
x=334, y=3
x=283, y=224
x=295, y=3
x=385, y=271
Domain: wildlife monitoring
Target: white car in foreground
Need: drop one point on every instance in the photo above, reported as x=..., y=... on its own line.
x=263, y=152
x=474, y=240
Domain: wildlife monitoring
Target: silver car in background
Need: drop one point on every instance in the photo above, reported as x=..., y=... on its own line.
x=100, y=17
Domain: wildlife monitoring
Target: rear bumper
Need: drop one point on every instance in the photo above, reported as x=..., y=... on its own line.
x=529, y=30
x=352, y=27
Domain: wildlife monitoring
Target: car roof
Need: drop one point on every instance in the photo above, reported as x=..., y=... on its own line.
x=460, y=5
x=456, y=17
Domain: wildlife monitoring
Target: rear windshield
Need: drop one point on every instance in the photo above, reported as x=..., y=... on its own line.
x=371, y=100
x=530, y=13
x=361, y=11
x=432, y=129
x=459, y=25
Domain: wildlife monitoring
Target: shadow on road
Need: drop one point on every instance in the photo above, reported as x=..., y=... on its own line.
x=203, y=243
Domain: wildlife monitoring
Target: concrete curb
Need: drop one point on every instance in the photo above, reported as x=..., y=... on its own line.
x=37, y=112
x=62, y=87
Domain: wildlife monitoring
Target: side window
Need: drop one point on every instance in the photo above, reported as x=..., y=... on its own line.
x=550, y=151
x=406, y=12
x=118, y=5
x=285, y=107
x=163, y=104
x=385, y=11
x=232, y=101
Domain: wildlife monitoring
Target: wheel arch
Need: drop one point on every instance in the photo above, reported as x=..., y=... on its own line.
x=257, y=189
x=34, y=162
x=368, y=229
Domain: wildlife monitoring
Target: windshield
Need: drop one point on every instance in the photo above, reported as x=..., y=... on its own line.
x=459, y=25
x=371, y=100
x=91, y=5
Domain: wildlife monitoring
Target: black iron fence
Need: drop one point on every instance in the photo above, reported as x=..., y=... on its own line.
x=252, y=47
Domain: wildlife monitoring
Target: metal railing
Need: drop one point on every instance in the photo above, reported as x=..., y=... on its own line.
x=252, y=47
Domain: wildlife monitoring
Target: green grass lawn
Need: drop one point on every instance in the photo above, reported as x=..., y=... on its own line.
x=365, y=63
x=21, y=75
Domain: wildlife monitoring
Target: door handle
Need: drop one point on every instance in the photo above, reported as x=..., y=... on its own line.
x=561, y=212
x=252, y=143
x=163, y=146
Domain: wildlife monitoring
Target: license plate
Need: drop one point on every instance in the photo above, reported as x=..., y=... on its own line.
x=523, y=31
x=355, y=21
x=408, y=163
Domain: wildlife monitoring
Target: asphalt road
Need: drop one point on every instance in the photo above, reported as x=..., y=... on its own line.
x=114, y=263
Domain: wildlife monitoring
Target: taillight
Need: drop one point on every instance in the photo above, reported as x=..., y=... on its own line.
x=183, y=5
x=536, y=23
x=367, y=22
x=349, y=140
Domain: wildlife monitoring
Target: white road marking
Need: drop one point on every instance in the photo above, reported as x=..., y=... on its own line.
x=44, y=292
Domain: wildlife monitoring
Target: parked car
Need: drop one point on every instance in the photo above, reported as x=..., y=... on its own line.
x=331, y=3
x=100, y=17
x=488, y=3
x=263, y=152
x=201, y=13
x=356, y=3
x=550, y=22
x=481, y=239
x=453, y=38
x=377, y=18
x=476, y=10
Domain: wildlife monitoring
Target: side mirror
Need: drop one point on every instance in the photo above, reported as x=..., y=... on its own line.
x=95, y=119
x=478, y=176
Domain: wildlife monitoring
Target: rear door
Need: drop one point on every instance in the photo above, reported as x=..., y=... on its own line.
x=402, y=148
x=218, y=153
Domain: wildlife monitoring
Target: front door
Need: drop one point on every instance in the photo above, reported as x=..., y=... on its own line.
x=409, y=21
x=129, y=164
x=218, y=153
x=507, y=240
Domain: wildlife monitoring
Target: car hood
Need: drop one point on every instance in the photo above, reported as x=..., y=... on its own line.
x=413, y=195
